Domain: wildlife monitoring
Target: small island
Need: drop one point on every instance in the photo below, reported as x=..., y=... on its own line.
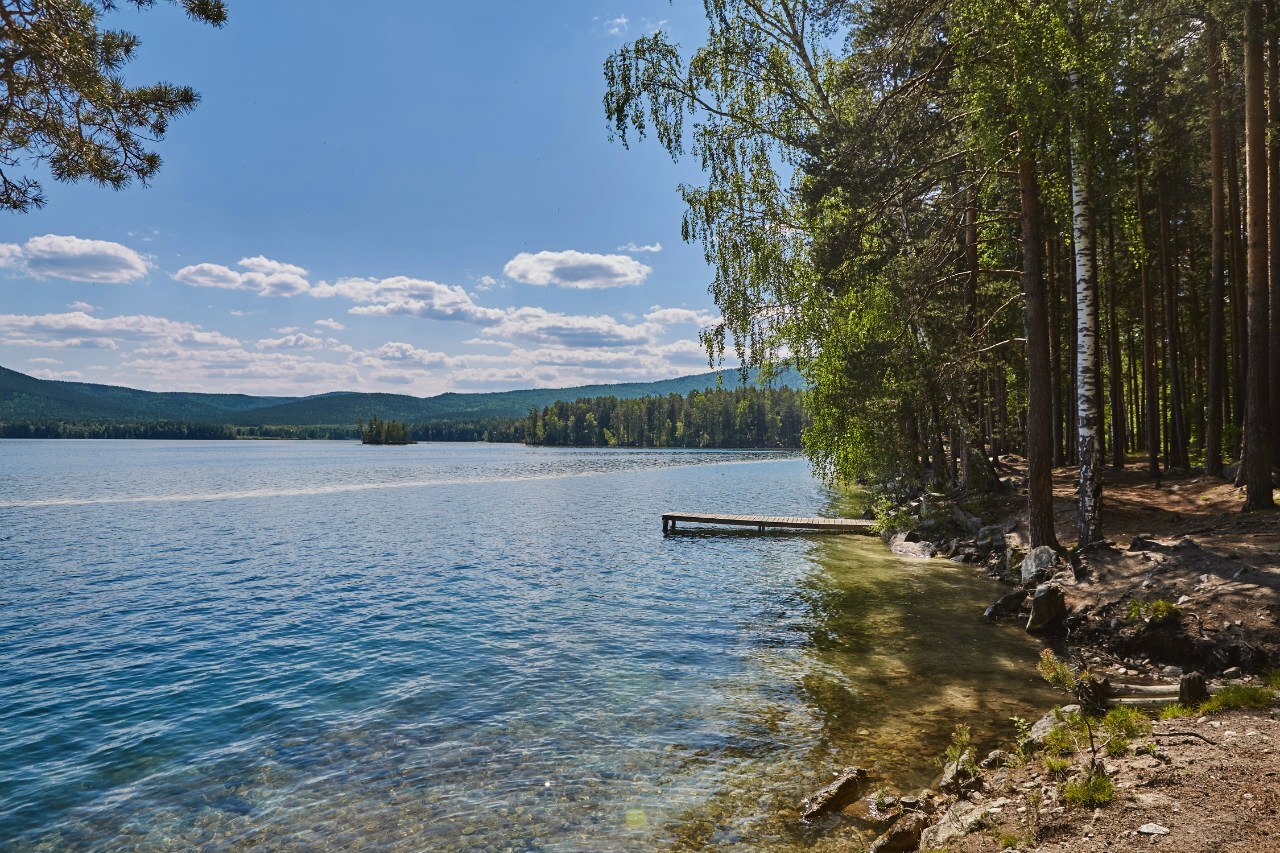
x=378, y=431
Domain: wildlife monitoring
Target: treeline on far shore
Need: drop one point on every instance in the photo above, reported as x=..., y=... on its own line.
x=719, y=418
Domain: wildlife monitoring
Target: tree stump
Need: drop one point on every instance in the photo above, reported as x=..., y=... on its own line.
x=1192, y=690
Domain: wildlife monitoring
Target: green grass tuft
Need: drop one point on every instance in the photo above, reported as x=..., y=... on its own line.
x=1235, y=696
x=1090, y=792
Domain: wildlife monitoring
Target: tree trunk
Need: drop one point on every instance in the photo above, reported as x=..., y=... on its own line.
x=1239, y=319
x=1119, y=425
x=1150, y=380
x=1256, y=464
x=1055, y=352
x=1039, y=415
x=1273, y=345
x=1089, y=520
x=1177, y=436
x=1217, y=275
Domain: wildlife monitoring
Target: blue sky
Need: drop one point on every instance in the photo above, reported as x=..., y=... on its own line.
x=397, y=196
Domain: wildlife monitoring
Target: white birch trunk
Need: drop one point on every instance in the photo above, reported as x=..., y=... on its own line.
x=1087, y=415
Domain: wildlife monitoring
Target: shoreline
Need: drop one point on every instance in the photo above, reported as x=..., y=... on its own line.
x=1183, y=583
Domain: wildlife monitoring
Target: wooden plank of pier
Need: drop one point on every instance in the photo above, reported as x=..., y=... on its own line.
x=766, y=522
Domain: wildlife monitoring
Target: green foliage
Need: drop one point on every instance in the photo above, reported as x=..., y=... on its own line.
x=1021, y=740
x=1272, y=679
x=1057, y=767
x=723, y=418
x=67, y=106
x=1177, y=711
x=960, y=750
x=1155, y=612
x=378, y=431
x=1092, y=791
x=1126, y=721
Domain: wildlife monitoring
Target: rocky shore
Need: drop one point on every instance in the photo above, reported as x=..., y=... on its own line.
x=1184, y=593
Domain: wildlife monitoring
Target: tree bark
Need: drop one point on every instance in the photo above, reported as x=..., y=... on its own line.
x=1119, y=425
x=1256, y=464
x=1040, y=526
x=1177, y=434
x=1089, y=520
x=1239, y=300
x=1273, y=344
x=1217, y=275
x=1150, y=380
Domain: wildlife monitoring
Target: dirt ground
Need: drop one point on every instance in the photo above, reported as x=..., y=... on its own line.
x=1213, y=786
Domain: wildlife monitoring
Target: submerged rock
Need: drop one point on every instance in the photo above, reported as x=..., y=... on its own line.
x=1048, y=607
x=876, y=813
x=1009, y=604
x=840, y=793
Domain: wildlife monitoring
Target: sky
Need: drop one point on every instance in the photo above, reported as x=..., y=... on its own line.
x=393, y=196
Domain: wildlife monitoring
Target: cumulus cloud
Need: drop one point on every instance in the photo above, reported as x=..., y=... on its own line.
x=486, y=282
x=402, y=352
x=44, y=360
x=82, y=306
x=576, y=270
x=74, y=259
x=410, y=296
x=583, y=330
x=294, y=341
x=331, y=324
x=681, y=316
x=632, y=247
x=261, y=275
x=78, y=329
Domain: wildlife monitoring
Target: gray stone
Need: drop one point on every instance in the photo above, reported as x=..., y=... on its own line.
x=840, y=793
x=1036, y=565
x=992, y=535
x=1048, y=607
x=956, y=774
x=903, y=547
x=966, y=521
x=1009, y=604
x=1153, y=829
x=1041, y=728
x=995, y=758
x=960, y=820
x=903, y=836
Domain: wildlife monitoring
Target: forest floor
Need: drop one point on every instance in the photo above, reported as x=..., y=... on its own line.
x=1208, y=782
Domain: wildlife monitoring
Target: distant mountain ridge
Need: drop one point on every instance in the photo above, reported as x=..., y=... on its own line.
x=28, y=398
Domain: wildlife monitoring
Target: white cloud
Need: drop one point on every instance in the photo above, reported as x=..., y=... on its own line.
x=59, y=375
x=263, y=276
x=632, y=247
x=44, y=361
x=679, y=316
x=412, y=296
x=577, y=270
x=82, y=306
x=294, y=341
x=402, y=352
x=78, y=329
x=74, y=259
x=543, y=326
x=486, y=282
x=331, y=324
x=616, y=26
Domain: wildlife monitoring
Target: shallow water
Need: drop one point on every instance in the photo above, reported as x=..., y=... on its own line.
x=325, y=646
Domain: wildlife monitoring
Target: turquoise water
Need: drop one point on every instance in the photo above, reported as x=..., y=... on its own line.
x=315, y=645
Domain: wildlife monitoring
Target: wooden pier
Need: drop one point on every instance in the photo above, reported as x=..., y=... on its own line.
x=766, y=522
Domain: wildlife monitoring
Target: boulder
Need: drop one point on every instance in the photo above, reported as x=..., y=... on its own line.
x=1048, y=608
x=1037, y=564
x=960, y=820
x=1041, y=728
x=901, y=545
x=957, y=774
x=903, y=836
x=992, y=536
x=966, y=521
x=1009, y=604
x=840, y=793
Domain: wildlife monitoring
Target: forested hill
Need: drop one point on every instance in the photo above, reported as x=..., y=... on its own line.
x=27, y=398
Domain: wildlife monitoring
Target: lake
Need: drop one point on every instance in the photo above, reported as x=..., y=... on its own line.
x=322, y=645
